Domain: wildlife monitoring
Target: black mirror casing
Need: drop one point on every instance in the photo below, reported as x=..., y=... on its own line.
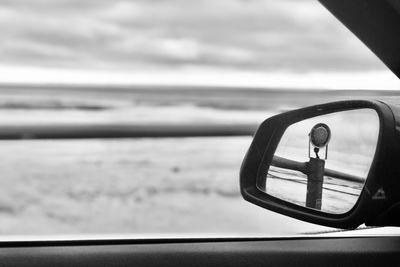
x=379, y=202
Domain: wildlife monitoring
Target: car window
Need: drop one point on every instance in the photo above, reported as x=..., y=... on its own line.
x=74, y=67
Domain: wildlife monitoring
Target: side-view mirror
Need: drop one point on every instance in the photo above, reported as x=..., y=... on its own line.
x=335, y=164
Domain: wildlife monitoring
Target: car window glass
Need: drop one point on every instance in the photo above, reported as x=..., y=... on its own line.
x=75, y=67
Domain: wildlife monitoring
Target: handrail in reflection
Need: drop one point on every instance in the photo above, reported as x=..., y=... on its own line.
x=281, y=162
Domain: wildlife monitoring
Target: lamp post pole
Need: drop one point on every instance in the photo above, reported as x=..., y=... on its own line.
x=315, y=179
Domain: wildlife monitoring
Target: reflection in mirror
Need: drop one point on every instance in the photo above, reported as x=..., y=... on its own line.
x=322, y=162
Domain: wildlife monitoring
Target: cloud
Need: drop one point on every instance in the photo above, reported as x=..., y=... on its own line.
x=270, y=35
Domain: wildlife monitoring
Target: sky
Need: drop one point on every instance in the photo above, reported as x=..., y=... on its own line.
x=284, y=43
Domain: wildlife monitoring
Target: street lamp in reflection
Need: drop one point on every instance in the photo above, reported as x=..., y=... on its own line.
x=319, y=138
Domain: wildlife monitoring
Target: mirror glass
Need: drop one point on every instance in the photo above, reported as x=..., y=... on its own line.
x=322, y=162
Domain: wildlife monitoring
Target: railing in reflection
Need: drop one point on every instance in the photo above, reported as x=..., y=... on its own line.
x=281, y=162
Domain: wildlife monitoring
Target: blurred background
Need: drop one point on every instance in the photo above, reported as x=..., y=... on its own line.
x=162, y=62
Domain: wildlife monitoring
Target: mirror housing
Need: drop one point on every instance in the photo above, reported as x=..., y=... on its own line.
x=379, y=201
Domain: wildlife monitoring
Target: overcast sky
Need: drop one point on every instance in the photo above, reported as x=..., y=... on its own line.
x=263, y=36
